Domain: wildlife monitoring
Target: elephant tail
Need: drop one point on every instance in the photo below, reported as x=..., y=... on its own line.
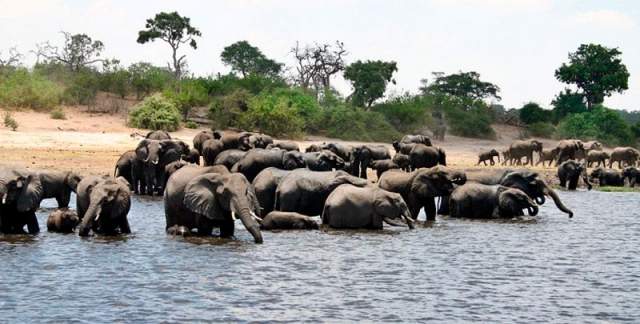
x=276, y=201
x=325, y=214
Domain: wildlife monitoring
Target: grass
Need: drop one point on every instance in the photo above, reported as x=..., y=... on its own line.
x=58, y=113
x=10, y=122
x=619, y=189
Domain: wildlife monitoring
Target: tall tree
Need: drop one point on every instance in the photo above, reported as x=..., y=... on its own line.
x=173, y=29
x=78, y=51
x=567, y=103
x=465, y=85
x=532, y=113
x=369, y=80
x=317, y=64
x=12, y=59
x=247, y=59
x=596, y=70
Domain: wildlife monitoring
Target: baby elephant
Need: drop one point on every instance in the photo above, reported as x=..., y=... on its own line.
x=287, y=220
x=177, y=230
x=382, y=166
x=608, y=177
x=62, y=220
x=488, y=156
x=349, y=206
x=474, y=200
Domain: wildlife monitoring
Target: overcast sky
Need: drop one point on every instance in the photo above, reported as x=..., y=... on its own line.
x=516, y=44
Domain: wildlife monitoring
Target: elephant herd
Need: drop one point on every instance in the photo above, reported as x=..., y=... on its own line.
x=274, y=185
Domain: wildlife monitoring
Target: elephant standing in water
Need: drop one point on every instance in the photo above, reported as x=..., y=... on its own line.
x=62, y=221
x=569, y=172
x=257, y=160
x=103, y=204
x=265, y=185
x=203, y=136
x=364, y=154
x=349, y=206
x=420, y=187
x=608, y=177
x=21, y=192
x=632, y=174
x=475, y=200
x=203, y=198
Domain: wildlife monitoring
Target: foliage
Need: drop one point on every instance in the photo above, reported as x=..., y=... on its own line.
x=21, y=88
x=78, y=52
x=347, y=123
x=461, y=85
x=247, y=59
x=474, y=122
x=10, y=122
x=155, y=113
x=115, y=79
x=566, y=103
x=191, y=125
x=58, y=113
x=315, y=65
x=540, y=129
x=597, y=70
x=369, y=80
x=146, y=78
x=82, y=88
x=190, y=93
x=532, y=113
x=406, y=113
x=225, y=111
x=600, y=123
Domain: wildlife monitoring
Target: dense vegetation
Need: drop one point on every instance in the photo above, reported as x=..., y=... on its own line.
x=257, y=95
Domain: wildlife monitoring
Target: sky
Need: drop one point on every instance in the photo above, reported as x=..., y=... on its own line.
x=516, y=44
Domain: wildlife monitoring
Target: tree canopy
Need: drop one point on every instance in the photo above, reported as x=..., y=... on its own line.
x=369, y=80
x=596, y=70
x=462, y=85
x=567, y=103
x=247, y=59
x=532, y=113
x=173, y=29
x=78, y=51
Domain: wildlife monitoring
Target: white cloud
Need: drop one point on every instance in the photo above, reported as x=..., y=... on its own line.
x=605, y=19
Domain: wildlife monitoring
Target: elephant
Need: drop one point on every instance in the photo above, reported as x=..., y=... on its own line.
x=305, y=191
x=570, y=171
x=632, y=174
x=62, y=221
x=203, y=198
x=229, y=157
x=314, y=148
x=158, y=135
x=520, y=149
x=257, y=160
x=422, y=156
x=364, y=154
x=475, y=200
x=203, y=136
x=21, y=192
x=192, y=157
x=236, y=141
x=260, y=140
x=420, y=187
x=628, y=155
x=488, y=156
x=367, y=207
x=343, y=151
x=277, y=220
x=569, y=149
x=177, y=230
x=154, y=155
x=126, y=165
x=547, y=155
x=402, y=160
x=286, y=145
x=265, y=185
x=403, y=148
x=600, y=157
x=608, y=177
x=418, y=139
x=323, y=161
x=506, y=157
x=58, y=185
x=103, y=204
x=382, y=166
x=211, y=148
x=588, y=147
x=172, y=167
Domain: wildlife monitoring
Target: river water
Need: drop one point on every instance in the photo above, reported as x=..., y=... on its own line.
x=551, y=268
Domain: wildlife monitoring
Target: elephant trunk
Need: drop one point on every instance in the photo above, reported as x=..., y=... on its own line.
x=91, y=215
x=556, y=199
x=532, y=210
x=407, y=218
x=248, y=218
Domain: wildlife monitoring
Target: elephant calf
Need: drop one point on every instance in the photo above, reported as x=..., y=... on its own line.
x=62, y=220
x=288, y=220
x=475, y=200
x=103, y=204
x=569, y=172
x=382, y=166
x=354, y=207
x=488, y=156
x=608, y=177
x=599, y=157
x=547, y=155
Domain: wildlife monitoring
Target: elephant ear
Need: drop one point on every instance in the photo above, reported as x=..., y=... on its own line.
x=122, y=181
x=200, y=194
x=31, y=195
x=142, y=151
x=72, y=179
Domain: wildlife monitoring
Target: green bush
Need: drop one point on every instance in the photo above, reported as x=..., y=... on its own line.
x=188, y=94
x=155, y=113
x=600, y=123
x=146, y=78
x=350, y=123
x=225, y=111
x=540, y=129
x=21, y=88
x=82, y=88
x=474, y=123
x=191, y=125
x=273, y=115
x=532, y=113
x=406, y=113
x=58, y=113
x=10, y=122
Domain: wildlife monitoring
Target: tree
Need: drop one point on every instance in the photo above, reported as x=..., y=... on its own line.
x=247, y=59
x=12, y=59
x=464, y=85
x=567, y=103
x=317, y=64
x=596, y=70
x=369, y=80
x=79, y=51
x=173, y=29
x=532, y=113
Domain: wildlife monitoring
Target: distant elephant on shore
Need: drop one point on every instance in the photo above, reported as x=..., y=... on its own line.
x=589, y=146
x=488, y=156
x=524, y=149
x=403, y=161
x=569, y=149
x=599, y=157
x=62, y=221
x=627, y=155
x=287, y=146
x=418, y=139
x=422, y=156
x=547, y=155
x=257, y=160
x=570, y=171
x=277, y=220
x=631, y=174
x=608, y=177
x=236, y=141
x=475, y=200
x=368, y=207
x=265, y=185
x=229, y=157
x=158, y=135
x=103, y=204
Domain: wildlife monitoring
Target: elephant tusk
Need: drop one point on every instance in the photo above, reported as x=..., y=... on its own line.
x=4, y=199
x=258, y=219
x=233, y=216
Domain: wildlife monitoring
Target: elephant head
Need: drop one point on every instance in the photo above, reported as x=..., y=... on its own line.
x=632, y=174
x=436, y=181
x=292, y=160
x=396, y=146
x=495, y=153
x=108, y=198
x=442, y=157
x=71, y=180
x=244, y=141
x=512, y=201
x=391, y=207
x=222, y=197
x=217, y=134
x=23, y=189
x=536, y=145
x=149, y=151
x=534, y=187
x=329, y=160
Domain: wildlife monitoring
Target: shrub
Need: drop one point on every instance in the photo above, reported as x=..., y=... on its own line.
x=146, y=78
x=473, y=123
x=600, y=123
x=225, y=111
x=155, y=113
x=21, y=88
x=82, y=88
x=406, y=113
x=10, y=122
x=540, y=129
x=58, y=113
x=273, y=115
x=350, y=123
x=191, y=124
x=532, y=113
x=189, y=94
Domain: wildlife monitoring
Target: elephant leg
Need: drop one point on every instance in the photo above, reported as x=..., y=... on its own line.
x=444, y=206
x=227, y=228
x=205, y=226
x=124, y=225
x=32, y=223
x=430, y=209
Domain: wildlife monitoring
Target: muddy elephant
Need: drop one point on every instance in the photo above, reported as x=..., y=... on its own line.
x=277, y=220
x=569, y=149
x=21, y=192
x=422, y=156
x=229, y=157
x=403, y=161
x=367, y=207
x=632, y=175
x=211, y=148
x=475, y=200
x=203, y=136
x=547, y=155
x=324, y=160
x=305, y=191
x=265, y=185
x=382, y=166
x=257, y=160
x=258, y=140
x=524, y=149
x=404, y=148
x=570, y=171
x=236, y=141
x=364, y=154
x=62, y=221
x=625, y=156
x=608, y=177
x=488, y=156
x=204, y=198
x=418, y=139
x=103, y=204
x=420, y=187
x=158, y=135
x=599, y=157
x=287, y=146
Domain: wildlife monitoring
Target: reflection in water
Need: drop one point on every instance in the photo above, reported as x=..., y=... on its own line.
x=548, y=268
